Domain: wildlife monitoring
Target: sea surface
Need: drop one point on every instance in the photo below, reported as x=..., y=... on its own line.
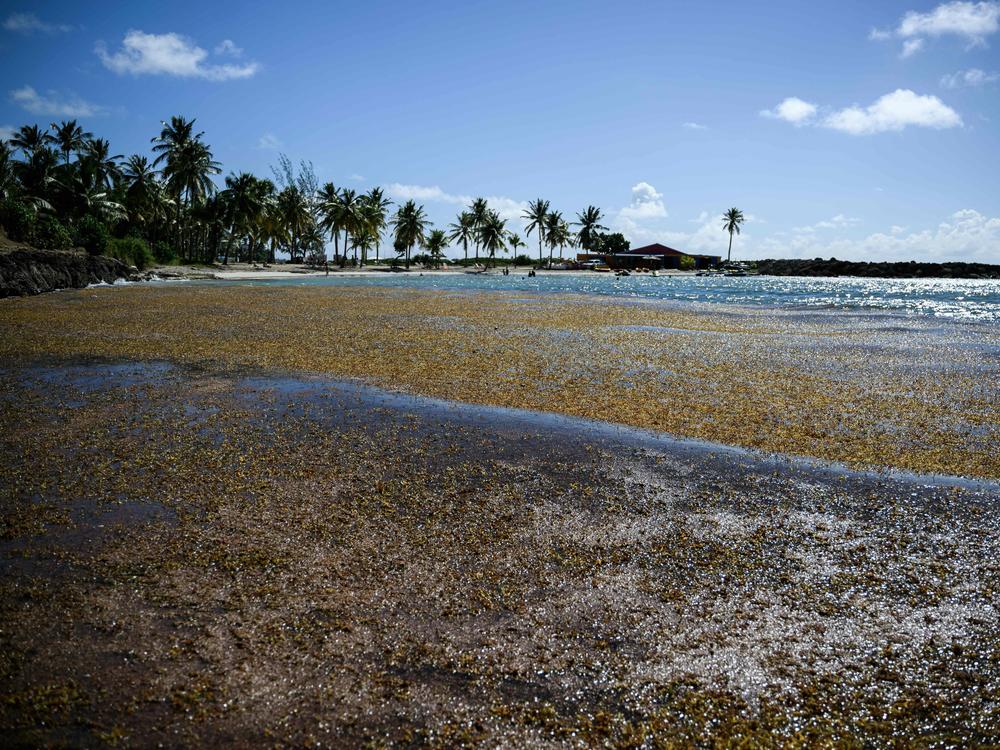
x=964, y=299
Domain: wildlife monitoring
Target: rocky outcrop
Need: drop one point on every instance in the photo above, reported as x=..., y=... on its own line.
x=908, y=270
x=28, y=271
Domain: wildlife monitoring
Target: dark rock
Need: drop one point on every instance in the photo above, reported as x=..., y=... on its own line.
x=28, y=271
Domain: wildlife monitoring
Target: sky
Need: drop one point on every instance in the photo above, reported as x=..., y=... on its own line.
x=856, y=130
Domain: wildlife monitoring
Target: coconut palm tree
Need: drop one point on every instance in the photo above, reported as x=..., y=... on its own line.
x=328, y=198
x=69, y=137
x=409, y=225
x=376, y=211
x=535, y=215
x=464, y=231
x=97, y=161
x=478, y=209
x=8, y=181
x=296, y=219
x=590, y=225
x=556, y=232
x=244, y=201
x=188, y=165
x=435, y=243
x=492, y=234
x=731, y=222
x=30, y=139
x=515, y=242
x=349, y=217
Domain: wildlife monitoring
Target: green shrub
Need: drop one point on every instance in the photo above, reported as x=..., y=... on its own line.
x=131, y=250
x=92, y=235
x=522, y=260
x=686, y=263
x=164, y=254
x=49, y=234
x=18, y=219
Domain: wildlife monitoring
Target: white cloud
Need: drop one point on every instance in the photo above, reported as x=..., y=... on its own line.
x=839, y=221
x=893, y=112
x=966, y=235
x=972, y=21
x=646, y=204
x=508, y=208
x=54, y=103
x=228, y=47
x=793, y=110
x=170, y=54
x=29, y=23
x=357, y=178
x=270, y=142
x=6, y=132
x=969, y=78
x=694, y=126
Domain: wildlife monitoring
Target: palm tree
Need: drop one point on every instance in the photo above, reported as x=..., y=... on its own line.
x=478, y=210
x=188, y=164
x=96, y=159
x=435, y=244
x=30, y=139
x=409, y=225
x=377, y=209
x=328, y=197
x=8, y=182
x=493, y=234
x=590, y=224
x=515, y=242
x=69, y=137
x=731, y=221
x=244, y=201
x=295, y=217
x=535, y=215
x=464, y=231
x=556, y=232
x=349, y=217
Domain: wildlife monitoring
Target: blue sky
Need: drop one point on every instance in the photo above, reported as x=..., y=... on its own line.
x=847, y=129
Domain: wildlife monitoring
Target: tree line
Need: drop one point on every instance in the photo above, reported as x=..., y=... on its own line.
x=62, y=186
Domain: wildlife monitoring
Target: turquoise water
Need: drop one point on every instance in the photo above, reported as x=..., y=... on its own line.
x=968, y=299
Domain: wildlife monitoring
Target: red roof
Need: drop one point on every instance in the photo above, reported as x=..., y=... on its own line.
x=655, y=249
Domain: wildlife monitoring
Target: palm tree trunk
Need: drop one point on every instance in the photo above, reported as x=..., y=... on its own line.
x=377, y=243
x=465, y=248
x=343, y=258
x=407, y=257
x=729, y=255
x=539, y=248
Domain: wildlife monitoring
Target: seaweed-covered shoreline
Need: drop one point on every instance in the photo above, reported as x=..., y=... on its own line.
x=193, y=556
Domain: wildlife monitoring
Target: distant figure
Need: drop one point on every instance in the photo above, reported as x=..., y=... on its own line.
x=326, y=267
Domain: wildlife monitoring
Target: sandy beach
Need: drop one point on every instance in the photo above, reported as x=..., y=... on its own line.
x=359, y=515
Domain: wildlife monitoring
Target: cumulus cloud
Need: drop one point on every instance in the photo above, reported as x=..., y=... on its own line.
x=969, y=78
x=54, y=103
x=6, y=132
x=171, y=54
x=839, y=221
x=972, y=21
x=647, y=203
x=228, y=47
x=694, y=126
x=893, y=112
x=793, y=110
x=508, y=208
x=269, y=142
x=29, y=23
x=967, y=235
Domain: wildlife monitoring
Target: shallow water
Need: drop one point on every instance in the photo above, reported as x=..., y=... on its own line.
x=966, y=299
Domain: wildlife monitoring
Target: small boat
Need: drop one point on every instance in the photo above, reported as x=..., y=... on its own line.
x=602, y=269
x=656, y=273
